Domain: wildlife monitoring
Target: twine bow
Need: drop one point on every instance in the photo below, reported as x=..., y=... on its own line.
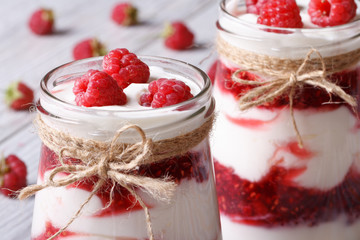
x=109, y=167
x=266, y=91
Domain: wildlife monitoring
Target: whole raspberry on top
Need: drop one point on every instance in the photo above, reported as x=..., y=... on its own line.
x=19, y=96
x=96, y=88
x=125, y=67
x=42, y=21
x=165, y=92
x=280, y=13
x=88, y=48
x=124, y=14
x=254, y=6
x=178, y=36
x=331, y=13
x=12, y=175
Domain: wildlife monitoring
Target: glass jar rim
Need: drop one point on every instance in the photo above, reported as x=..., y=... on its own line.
x=204, y=91
x=231, y=17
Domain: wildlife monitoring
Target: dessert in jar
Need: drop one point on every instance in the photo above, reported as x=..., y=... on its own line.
x=177, y=191
x=286, y=143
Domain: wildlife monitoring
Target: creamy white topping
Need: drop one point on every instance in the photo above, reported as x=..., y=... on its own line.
x=329, y=41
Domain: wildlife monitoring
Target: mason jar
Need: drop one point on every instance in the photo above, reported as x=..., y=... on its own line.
x=163, y=189
x=286, y=142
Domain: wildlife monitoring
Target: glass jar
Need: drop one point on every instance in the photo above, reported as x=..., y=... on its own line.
x=286, y=170
x=114, y=212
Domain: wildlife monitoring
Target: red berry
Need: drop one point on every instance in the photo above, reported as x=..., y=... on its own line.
x=165, y=92
x=88, y=48
x=96, y=88
x=331, y=13
x=178, y=36
x=18, y=96
x=12, y=175
x=124, y=14
x=42, y=21
x=125, y=67
x=280, y=13
x=254, y=6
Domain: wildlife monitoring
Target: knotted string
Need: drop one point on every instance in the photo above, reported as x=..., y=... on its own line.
x=268, y=90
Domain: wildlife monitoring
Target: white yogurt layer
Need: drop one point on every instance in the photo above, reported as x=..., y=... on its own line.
x=293, y=45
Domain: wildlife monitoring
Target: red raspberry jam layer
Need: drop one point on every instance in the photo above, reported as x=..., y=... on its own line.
x=305, y=97
x=276, y=200
x=50, y=230
x=191, y=165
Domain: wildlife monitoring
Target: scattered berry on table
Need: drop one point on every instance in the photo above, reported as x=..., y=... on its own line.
x=124, y=14
x=331, y=13
x=88, y=48
x=165, y=92
x=125, y=67
x=254, y=6
x=280, y=13
x=12, y=175
x=42, y=21
x=19, y=96
x=96, y=88
x=178, y=36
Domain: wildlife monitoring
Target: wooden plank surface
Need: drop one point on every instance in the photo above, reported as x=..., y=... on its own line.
x=28, y=57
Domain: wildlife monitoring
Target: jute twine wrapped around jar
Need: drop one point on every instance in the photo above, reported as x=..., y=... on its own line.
x=114, y=161
x=286, y=75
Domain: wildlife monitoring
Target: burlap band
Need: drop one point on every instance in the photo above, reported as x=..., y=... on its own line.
x=273, y=66
x=283, y=76
x=114, y=160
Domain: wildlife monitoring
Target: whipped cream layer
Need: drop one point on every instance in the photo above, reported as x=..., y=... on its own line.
x=238, y=27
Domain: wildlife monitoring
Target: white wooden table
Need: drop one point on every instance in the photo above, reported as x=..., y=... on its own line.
x=28, y=57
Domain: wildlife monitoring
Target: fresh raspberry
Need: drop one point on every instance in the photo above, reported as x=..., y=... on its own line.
x=96, y=88
x=254, y=6
x=18, y=96
x=125, y=67
x=331, y=13
x=42, y=21
x=124, y=14
x=280, y=13
x=88, y=48
x=178, y=36
x=12, y=175
x=165, y=92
